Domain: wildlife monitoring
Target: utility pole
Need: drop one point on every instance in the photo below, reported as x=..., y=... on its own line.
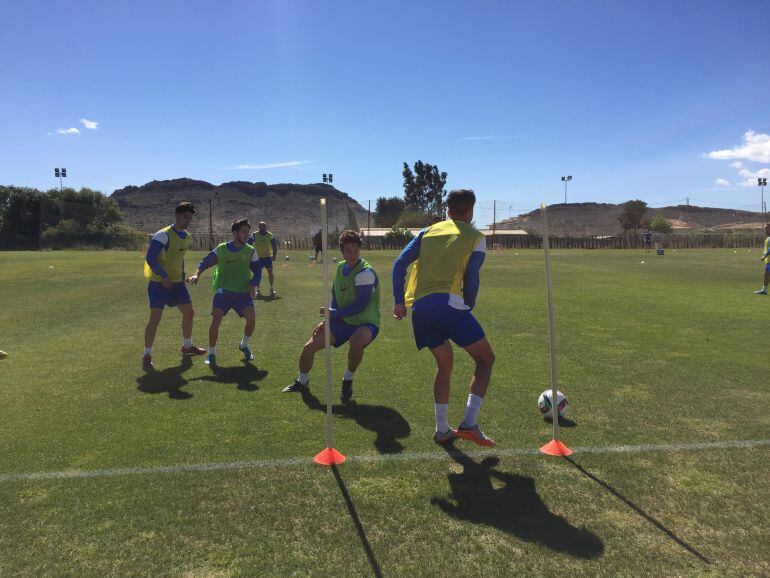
x=687, y=210
x=211, y=229
x=368, y=224
x=762, y=183
x=494, y=223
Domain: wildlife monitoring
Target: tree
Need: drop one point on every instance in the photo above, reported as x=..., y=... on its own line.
x=661, y=224
x=388, y=210
x=424, y=189
x=632, y=214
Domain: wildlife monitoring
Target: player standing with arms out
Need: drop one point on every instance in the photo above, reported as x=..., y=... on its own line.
x=354, y=315
x=235, y=262
x=267, y=248
x=164, y=267
x=443, y=286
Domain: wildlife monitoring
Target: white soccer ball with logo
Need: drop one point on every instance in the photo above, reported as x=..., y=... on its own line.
x=545, y=406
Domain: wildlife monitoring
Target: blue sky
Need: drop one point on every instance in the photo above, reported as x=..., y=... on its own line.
x=631, y=98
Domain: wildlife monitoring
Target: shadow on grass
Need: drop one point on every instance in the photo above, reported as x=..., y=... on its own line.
x=385, y=422
x=357, y=522
x=563, y=421
x=513, y=507
x=638, y=510
x=267, y=298
x=245, y=376
x=167, y=380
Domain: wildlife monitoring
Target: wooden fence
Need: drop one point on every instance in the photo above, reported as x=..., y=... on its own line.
x=690, y=241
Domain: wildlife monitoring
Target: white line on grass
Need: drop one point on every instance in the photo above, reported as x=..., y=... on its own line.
x=293, y=462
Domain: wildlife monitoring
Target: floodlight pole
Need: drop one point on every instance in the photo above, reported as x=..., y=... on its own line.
x=762, y=182
x=61, y=174
x=566, y=179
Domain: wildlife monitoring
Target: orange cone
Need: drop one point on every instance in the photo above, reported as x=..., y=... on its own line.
x=555, y=448
x=329, y=457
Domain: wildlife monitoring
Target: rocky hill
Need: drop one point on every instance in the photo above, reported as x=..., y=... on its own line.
x=288, y=209
x=579, y=219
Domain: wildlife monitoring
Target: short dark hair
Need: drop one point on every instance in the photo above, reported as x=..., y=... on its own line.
x=460, y=200
x=240, y=223
x=350, y=236
x=184, y=207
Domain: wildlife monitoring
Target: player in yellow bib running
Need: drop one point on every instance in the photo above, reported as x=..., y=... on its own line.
x=267, y=248
x=354, y=315
x=235, y=277
x=164, y=267
x=442, y=290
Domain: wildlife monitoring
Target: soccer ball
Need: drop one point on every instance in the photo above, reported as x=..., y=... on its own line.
x=544, y=403
x=334, y=259
x=286, y=258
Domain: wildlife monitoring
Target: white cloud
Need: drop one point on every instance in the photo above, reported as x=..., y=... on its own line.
x=72, y=130
x=722, y=183
x=89, y=124
x=249, y=166
x=501, y=137
x=755, y=147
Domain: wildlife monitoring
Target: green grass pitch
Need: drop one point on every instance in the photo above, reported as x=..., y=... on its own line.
x=669, y=351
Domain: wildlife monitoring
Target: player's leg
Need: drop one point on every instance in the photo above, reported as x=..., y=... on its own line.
x=361, y=337
x=444, y=357
x=765, y=281
x=217, y=315
x=149, y=336
x=248, y=330
x=270, y=279
x=484, y=358
x=306, y=358
x=188, y=313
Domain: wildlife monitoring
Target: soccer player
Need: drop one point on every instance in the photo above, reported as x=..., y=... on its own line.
x=443, y=285
x=647, y=241
x=354, y=315
x=317, y=240
x=234, y=261
x=267, y=248
x=766, y=260
x=164, y=267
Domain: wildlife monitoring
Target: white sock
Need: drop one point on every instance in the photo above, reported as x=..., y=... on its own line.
x=442, y=421
x=348, y=375
x=212, y=349
x=764, y=287
x=148, y=350
x=303, y=378
x=472, y=410
x=271, y=288
x=187, y=342
x=245, y=340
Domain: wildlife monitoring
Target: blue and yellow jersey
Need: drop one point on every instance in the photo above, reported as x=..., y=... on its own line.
x=767, y=251
x=265, y=244
x=441, y=255
x=165, y=255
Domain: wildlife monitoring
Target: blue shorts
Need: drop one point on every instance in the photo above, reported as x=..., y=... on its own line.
x=227, y=300
x=434, y=325
x=767, y=267
x=266, y=262
x=342, y=331
x=161, y=297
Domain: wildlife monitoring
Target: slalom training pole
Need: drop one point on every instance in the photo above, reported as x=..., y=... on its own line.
x=554, y=447
x=328, y=456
